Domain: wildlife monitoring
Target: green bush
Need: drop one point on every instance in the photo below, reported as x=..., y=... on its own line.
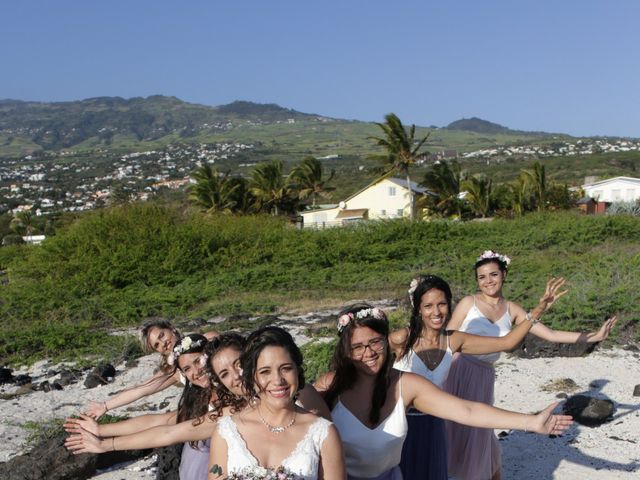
x=115, y=267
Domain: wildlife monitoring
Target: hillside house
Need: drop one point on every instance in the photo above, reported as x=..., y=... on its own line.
x=617, y=189
x=383, y=199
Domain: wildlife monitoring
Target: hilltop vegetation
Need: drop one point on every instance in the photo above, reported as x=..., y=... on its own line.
x=120, y=124
x=117, y=266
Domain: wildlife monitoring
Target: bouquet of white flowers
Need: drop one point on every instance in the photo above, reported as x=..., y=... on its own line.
x=258, y=473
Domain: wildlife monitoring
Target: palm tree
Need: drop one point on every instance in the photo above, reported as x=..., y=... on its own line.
x=308, y=178
x=402, y=149
x=444, y=179
x=213, y=191
x=478, y=194
x=270, y=188
x=23, y=223
x=538, y=182
x=519, y=195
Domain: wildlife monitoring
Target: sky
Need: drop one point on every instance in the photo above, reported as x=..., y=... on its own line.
x=569, y=66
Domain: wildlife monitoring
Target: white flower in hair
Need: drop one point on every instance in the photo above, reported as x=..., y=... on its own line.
x=343, y=321
x=490, y=255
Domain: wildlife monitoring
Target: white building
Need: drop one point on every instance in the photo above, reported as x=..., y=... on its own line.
x=383, y=199
x=617, y=189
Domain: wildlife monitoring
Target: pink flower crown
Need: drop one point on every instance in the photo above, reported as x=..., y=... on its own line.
x=346, y=318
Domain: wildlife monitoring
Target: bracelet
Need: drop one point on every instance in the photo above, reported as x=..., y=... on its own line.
x=531, y=318
x=106, y=409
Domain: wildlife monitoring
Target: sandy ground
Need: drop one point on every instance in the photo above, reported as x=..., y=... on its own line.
x=611, y=451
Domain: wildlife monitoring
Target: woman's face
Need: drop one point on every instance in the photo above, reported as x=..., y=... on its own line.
x=162, y=340
x=434, y=309
x=192, y=367
x=490, y=279
x=226, y=365
x=276, y=376
x=367, y=350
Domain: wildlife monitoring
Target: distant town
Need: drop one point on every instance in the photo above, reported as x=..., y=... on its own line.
x=49, y=182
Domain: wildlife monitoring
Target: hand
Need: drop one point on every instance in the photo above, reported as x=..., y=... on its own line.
x=95, y=409
x=547, y=423
x=604, y=330
x=75, y=425
x=552, y=293
x=84, y=442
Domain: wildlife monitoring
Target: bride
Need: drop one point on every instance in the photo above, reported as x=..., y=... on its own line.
x=273, y=432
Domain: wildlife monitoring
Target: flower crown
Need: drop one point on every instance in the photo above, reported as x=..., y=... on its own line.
x=490, y=255
x=414, y=284
x=186, y=344
x=346, y=318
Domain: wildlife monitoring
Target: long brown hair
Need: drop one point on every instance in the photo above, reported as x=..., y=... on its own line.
x=345, y=371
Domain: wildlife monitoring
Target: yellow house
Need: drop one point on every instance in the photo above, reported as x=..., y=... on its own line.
x=383, y=199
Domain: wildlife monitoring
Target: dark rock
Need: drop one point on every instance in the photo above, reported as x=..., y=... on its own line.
x=534, y=347
x=168, y=463
x=56, y=386
x=100, y=376
x=45, y=386
x=68, y=377
x=109, y=459
x=164, y=404
x=22, y=379
x=6, y=375
x=562, y=395
x=631, y=348
x=51, y=461
x=636, y=391
x=589, y=411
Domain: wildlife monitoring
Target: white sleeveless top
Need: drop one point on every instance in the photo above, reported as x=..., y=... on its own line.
x=369, y=452
x=411, y=362
x=475, y=322
x=303, y=461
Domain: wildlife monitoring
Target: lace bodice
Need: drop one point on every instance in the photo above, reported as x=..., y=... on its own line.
x=302, y=461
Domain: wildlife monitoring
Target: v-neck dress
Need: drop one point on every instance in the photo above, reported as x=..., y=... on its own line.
x=424, y=454
x=474, y=453
x=372, y=453
x=303, y=461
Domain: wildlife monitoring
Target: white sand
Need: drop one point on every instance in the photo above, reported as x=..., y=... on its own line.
x=584, y=453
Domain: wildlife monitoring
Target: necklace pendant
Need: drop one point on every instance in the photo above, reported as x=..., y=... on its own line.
x=276, y=429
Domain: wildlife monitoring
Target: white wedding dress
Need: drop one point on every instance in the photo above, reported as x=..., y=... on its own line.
x=303, y=461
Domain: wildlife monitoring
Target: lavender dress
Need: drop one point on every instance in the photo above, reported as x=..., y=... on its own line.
x=474, y=453
x=195, y=461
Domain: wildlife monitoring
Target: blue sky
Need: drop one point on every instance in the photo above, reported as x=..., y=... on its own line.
x=568, y=66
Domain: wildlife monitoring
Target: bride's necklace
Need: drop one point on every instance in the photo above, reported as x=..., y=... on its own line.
x=281, y=429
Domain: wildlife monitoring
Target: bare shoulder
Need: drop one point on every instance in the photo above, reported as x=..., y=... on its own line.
x=465, y=303
x=398, y=338
x=518, y=313
x=210, y=335
x=324, y=381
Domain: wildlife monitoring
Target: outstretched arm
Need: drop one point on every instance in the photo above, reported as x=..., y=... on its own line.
x=476, y=344
x=83, y=441
x=117, y=429
x=155, y=384
x=560, y=336
x=428, y=398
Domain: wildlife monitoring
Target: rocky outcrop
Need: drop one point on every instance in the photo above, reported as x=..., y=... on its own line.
x=534, y=347
x=589, y=411
x=49, y=460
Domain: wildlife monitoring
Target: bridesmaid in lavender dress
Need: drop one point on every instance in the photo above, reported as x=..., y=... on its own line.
x=474, y=453
x=426, y=348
